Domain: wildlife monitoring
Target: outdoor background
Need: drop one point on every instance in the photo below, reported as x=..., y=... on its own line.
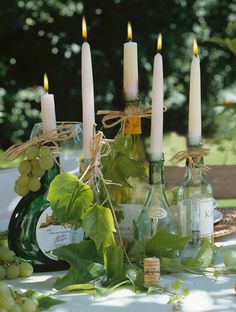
x=38, y=36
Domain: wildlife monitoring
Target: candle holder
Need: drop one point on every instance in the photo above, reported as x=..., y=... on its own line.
x=156, y=212
x=195, y=200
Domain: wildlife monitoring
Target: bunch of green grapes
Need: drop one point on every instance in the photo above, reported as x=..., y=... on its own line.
x=14, y=300
x=39, y=159
x=10, y=267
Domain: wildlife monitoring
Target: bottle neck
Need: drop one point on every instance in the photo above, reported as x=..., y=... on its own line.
x=50, y=175
x=156, y=175
x=132, y=124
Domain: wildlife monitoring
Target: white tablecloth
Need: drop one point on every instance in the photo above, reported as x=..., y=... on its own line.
x=206, y=292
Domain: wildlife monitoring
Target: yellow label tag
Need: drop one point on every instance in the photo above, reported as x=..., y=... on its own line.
x=133, y=125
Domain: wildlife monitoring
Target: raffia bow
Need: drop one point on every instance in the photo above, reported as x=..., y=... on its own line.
x=62, y=133
x=117, y=117
x=99, y=147
x=194, y=157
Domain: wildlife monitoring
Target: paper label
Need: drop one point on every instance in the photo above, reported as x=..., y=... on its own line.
x=157, y=213
x=206, y=217
x=133, y=125
x=50, y=234
x=131, y=213
x=196, y=215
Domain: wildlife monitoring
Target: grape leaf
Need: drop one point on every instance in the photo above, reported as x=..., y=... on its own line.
x=205, y=254
x=166, y=244
x=230, y=258
x=84, y=260
x=46, y=302
x=69, y=198
x=113, y=263
x=118, y=166
x=135, y=275
x=98, y=224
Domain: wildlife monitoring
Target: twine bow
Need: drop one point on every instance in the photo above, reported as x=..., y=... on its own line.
x=99, y=147
x=193, y=157
x=62, y=133
x=116, y=117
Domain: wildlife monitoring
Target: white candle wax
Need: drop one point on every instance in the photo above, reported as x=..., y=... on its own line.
x=194, y=124
x=48, y=112
x=157, y=109
x=87, y=99
x=130, y=67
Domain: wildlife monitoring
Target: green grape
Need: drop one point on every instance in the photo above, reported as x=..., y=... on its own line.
x=23, y=180
x=34, y=162
x=13, y=271
x=2, y=272
x=7, y=255
x=21, y=190
x=230, y=258
x=16, y=308
x=34, y=184
x=28, y=305
x=32, y=152
x=45, y=151
x=46, y=162
x=25, y=167
x=26, y=269
x=38, y=171
x=6, y=300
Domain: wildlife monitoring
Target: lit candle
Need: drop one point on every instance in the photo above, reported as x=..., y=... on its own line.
x=130, y=82
x=48, y=109
x=194, y=123
x=87, y=93
x=157, y=105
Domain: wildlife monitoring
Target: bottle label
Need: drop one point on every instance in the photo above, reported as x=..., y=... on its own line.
x=133, y=125
x=206, y=217
x=196, y=215
x=157, y=213
x=50, y=234
x=131, y=213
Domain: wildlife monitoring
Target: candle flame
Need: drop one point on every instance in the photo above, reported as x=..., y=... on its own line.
x=45, y=82
x=129, y=32
x=159, y=42
x=195, y=47
x=84, y=28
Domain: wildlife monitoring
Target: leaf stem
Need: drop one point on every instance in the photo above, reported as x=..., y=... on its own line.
x=115, y=219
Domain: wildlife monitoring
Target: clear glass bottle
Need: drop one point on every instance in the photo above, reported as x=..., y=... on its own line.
x=195, y=206
x=156, y=212
x=130, y=201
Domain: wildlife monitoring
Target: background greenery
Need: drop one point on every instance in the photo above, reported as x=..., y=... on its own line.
x=45, y=36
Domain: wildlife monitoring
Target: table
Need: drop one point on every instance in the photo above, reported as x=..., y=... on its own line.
x=206, y=292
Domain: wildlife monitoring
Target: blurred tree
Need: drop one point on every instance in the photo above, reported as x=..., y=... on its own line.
x=45, y=36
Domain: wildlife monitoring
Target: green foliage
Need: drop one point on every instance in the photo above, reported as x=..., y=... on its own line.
x=117, y=166
x=98, y=224
x=113, y=263
x=46, y=302
x=69, y=198
x=84, y=263
x=165, y=244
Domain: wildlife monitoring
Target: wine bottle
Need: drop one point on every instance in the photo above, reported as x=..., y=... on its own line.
x=130, y=200
x=195, y=204
x=34, y=231
x=156, y=212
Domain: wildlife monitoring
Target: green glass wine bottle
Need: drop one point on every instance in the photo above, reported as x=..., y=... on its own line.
x=33, y=230
x=156, y=212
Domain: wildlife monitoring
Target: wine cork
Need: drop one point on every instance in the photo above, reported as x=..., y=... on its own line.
x=151, y=271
